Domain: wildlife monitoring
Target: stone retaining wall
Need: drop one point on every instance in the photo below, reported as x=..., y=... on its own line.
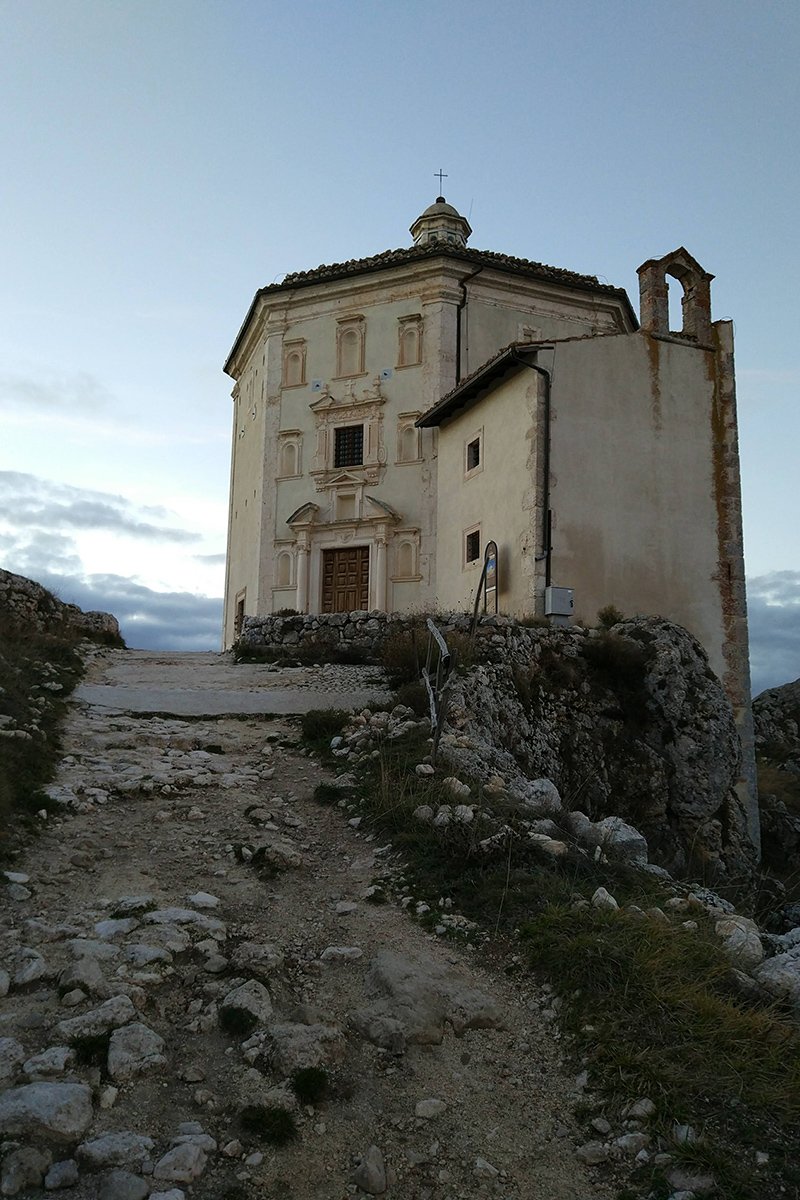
x=364, y=632
x=34, y=607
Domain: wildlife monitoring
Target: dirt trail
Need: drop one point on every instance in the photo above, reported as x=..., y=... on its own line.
x=167, y=807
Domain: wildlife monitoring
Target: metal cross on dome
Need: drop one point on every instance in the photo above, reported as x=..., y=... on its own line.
x=440, y=175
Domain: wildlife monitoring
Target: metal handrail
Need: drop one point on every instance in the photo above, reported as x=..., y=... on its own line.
x=437, y=683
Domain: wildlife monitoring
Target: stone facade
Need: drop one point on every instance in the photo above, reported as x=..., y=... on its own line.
x=332, y=370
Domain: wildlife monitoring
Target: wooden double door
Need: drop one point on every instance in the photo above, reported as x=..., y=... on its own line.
x=345, y=579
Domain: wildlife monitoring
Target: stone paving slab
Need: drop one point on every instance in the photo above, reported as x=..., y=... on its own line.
x=185, y=703
x=204, y=684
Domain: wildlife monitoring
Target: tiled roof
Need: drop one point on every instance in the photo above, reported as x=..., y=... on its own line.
x=481, y=258
x=485, y=374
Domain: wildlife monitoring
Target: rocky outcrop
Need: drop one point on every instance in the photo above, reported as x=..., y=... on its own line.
x=630, y=723
x=776, y=719
x=32, y=606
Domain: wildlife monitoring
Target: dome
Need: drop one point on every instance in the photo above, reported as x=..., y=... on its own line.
x=440, y=208
x=440, y=222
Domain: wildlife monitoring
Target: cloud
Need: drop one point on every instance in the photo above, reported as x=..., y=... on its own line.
x=773, y=606
x=42, y=552
x=79, y=391
x=210, y=560
x=149, y=620
x=27, y=501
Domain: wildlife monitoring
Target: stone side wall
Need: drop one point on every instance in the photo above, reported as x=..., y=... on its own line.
x=34, y=607
x=364, y=632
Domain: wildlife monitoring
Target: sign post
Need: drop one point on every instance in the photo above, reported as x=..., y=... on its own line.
x=490, y=584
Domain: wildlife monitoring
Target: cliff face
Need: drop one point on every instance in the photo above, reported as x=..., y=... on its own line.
x=630, y=723
x=33, y=607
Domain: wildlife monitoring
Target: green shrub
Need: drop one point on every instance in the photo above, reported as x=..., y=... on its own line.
x=414, y=696
x=778, y=782
x=310, y=1084
x=328, y=793
x=609, y=616
x=402, y=654
x=274, y=1125
x=238, y=1022
x=319, y=725
x=30, y=659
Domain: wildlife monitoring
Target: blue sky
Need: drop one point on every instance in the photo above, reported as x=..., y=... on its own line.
x=162, y=160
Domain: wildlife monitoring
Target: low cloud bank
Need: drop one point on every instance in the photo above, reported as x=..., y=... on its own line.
x=773, y=605
x=148, y=620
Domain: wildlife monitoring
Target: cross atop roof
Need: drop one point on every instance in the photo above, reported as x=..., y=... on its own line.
x=440, y=175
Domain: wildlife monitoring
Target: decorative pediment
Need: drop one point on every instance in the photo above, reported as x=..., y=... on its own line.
x=344, y=478
x=349, y=404
x=306, y=514
x=381, y=510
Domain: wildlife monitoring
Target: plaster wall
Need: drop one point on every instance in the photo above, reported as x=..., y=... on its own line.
x=632, y=487
x=498, y=499
x=496, y=314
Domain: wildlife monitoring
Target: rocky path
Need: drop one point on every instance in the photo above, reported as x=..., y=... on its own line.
x=192, y=929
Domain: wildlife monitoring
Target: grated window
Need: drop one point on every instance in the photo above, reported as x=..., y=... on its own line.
x=349, y=446
x=472, y=546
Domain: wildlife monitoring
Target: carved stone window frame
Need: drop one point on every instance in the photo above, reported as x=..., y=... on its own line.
x=291, y=348
x=401, y=538
x=288, y=549
x=345, y=326
x=331, y=413
x=408, y=421
x=290, y=437
x=412, y=323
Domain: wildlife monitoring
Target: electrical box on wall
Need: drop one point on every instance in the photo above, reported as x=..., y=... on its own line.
x=558, y=602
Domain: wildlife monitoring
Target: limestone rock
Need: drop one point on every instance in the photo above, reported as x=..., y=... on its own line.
x=781, y=976
x=604, y=900
x=123, y=1185
x=645, y=718
x=58, y=1112
x=259, y=959
x=22, y=1169
x=592, y=1153
x=12, y=1056
x=370, y=1174
x=421, y=998
x=120, y=1148
x=430, y=1108
x=540, y=796
x=134, y=1049
x=292, y=1047
x=112, y=1014
x=29, y=967
x=251, y=997
x=687, y=1180
x=63, y=1174
x=621, y=841
x=741, y=941
x=51, y=1063
x=181, y=1164
x=85, y=973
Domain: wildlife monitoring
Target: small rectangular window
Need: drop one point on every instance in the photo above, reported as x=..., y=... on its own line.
x=472, y=546
x=349, y=446
x=473, y=454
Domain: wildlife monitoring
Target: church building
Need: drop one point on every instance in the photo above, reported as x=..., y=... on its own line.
x=394, y=415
